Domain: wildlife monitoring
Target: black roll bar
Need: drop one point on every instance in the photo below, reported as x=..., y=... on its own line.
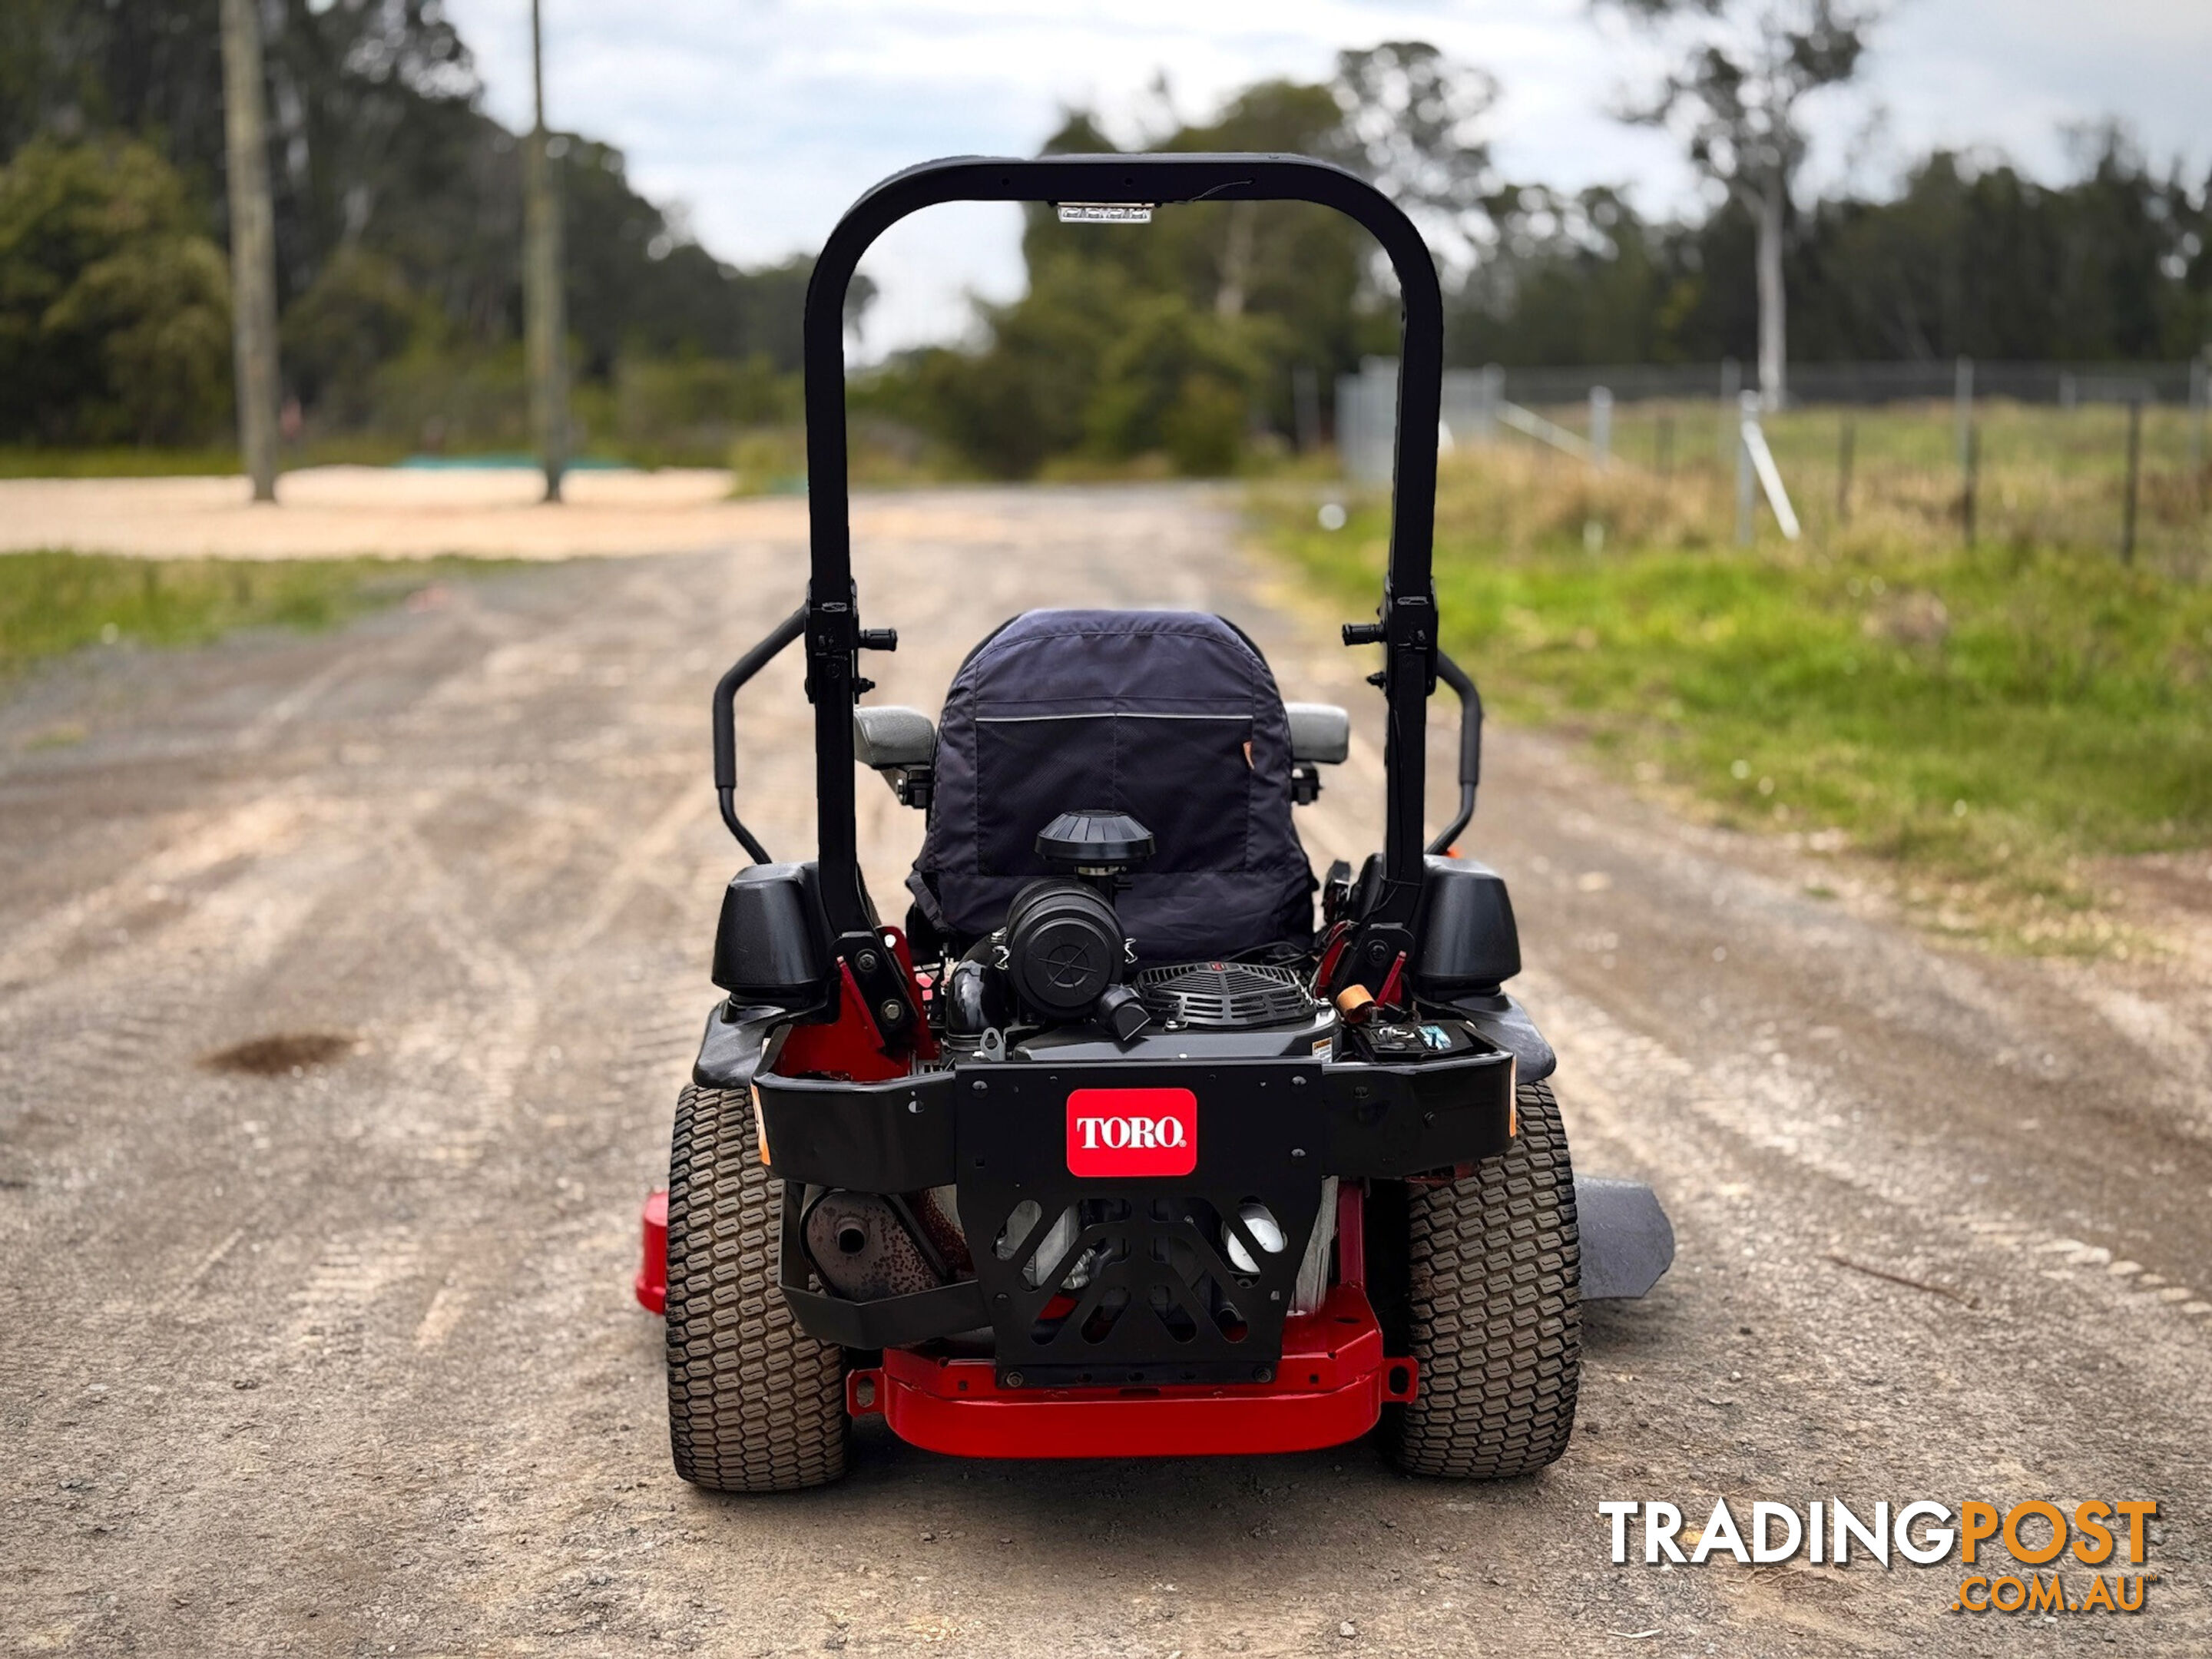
x=725, y=725
x=1406, y=627
x=1470, y=749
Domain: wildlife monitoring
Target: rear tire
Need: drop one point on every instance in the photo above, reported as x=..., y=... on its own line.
x=1493, y=1310
x=754, y=1403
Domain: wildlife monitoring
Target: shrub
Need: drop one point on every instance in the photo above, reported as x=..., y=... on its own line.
x=114, y=309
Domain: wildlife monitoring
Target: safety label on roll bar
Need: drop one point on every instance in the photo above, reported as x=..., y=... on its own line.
x=1105, y=213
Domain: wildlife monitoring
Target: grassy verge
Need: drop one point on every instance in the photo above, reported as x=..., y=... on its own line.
x=135, y=461
x=52, y=603
x=1982, y=719
x=2044, y=476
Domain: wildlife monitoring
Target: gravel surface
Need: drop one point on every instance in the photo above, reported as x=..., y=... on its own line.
x=346, y=983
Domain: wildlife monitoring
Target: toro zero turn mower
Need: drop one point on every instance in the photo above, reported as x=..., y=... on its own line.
x=1114, y=1151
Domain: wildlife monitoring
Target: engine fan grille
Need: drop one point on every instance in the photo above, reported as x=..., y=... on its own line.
x=1225, y=995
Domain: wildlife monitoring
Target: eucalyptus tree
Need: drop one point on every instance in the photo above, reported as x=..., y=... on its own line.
x=1742, y=71
x=1413, y=120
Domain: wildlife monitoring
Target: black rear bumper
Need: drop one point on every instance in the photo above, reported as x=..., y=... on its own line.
x=1149, y=1289
x=1358, y=1120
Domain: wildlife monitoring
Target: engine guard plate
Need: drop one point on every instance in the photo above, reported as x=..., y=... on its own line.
x=1148, y=1279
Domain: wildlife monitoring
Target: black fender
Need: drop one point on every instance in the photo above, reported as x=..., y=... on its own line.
x=1500, y=1019
x=736, y=1036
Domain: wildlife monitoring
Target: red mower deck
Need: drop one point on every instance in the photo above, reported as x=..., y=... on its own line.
x=1330, y=1388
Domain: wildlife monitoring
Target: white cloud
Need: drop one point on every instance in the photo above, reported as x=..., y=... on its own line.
x=768, y=116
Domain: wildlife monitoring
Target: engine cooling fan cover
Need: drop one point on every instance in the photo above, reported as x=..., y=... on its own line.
x=1225, y=995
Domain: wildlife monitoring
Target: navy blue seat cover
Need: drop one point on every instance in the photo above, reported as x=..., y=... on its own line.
x=1170, y=716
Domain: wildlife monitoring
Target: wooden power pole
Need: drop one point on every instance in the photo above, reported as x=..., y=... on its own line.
x=253, y=245
x=545, y=324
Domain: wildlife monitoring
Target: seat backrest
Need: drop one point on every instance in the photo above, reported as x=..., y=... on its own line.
x=1169, y=716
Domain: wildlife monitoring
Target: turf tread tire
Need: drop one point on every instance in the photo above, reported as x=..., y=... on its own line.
x=1494, y=1306
x=754, y=1404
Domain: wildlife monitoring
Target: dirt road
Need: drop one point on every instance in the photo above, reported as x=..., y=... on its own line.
x=343, y=1361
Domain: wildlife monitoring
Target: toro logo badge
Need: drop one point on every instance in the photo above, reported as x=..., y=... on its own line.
x=1132, y=1131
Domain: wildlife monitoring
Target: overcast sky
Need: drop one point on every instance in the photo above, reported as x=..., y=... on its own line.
x=766, y=118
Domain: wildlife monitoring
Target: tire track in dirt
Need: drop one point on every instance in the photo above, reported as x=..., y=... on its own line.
x=481, y=837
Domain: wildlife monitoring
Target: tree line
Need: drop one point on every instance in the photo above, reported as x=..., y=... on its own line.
x=1215, y=331
x=1190, y=338
x=1969, y=257
x=398, y=224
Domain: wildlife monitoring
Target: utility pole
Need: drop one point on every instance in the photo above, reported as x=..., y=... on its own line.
x=545, y=323
x=253, y=245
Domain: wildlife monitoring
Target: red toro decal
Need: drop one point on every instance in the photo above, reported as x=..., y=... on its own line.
x=1132, y=1131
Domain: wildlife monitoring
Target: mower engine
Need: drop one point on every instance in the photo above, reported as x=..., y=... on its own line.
x=1052, y=984
x=1061, y=956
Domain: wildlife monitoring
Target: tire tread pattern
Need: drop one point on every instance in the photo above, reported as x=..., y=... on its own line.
x=754, y=1404
x=1495, y=1270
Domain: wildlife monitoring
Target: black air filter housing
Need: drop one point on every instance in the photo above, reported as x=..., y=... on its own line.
x=1063, y=947
x=1095, y=843
x=1225, y=996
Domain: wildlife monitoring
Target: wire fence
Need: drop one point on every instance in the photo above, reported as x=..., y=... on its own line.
x=2110, y=455
x=2065, y=385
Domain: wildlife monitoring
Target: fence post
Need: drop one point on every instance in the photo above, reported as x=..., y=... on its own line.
x=1962, y=405
x=1760, y=457
x=1305, y=408
x=1731, y=408
x=1366, y=405
x=1492, y=383
x=1973, y=473
x=1846, y=440
x=1746, y=501
x=2135, y=474
x=1350, y=416
x=2200, y=395
x=1601, y=427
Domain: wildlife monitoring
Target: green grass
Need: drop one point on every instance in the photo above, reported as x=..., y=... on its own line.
x=1984, y=718
x=139, y=461
x=2045, y=476
x=122, y=461
x=53, y=603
